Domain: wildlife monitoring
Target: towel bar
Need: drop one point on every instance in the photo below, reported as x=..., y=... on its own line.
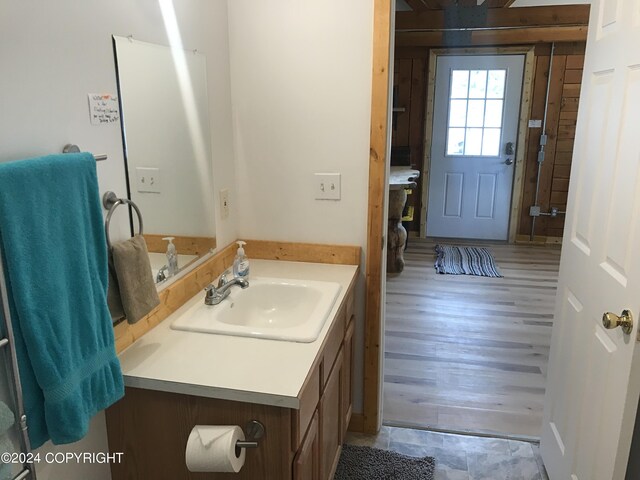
x=71, y=148
x=23, y=474
x=110, y=201
x=9, y=343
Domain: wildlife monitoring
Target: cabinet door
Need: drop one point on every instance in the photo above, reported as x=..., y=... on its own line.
x=347, y=389
x=331, y=420
x=306, y=465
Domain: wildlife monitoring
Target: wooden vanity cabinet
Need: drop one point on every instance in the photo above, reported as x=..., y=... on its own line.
x=151, y=427
x=306, y=465
x=331, y=420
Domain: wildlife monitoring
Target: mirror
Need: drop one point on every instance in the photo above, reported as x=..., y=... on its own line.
x=167, y=148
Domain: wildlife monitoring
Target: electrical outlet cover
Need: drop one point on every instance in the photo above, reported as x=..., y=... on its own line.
x=224, y=203
x=327, y=186
x=148, y=180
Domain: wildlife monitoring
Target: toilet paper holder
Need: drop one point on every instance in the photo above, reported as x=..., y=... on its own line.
x=254, y=431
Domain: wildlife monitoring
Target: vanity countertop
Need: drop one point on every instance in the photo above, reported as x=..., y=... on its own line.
x=244, y=369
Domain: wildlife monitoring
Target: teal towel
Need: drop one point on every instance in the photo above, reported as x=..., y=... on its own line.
x=7, y=418
x=55, y=257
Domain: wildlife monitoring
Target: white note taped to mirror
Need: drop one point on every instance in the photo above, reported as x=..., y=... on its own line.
x=103, y=108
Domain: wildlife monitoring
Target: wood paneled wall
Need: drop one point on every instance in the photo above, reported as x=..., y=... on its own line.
x=410, y=93
x=566, y=76
x=410, y=89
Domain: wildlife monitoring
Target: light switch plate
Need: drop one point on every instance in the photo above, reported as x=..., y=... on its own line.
x=327, y=186
x=224, y=203
x=148, y=180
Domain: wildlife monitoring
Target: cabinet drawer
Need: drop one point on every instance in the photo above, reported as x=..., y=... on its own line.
x=306, y=465
x=333, y=344
x=330, y=425
x=301, y=418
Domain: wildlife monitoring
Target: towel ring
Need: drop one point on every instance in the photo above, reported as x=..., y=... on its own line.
x=110, y=201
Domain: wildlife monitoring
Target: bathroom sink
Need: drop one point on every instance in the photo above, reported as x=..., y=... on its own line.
x=270, y=308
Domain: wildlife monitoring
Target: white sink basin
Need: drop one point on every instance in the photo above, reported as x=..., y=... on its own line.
x=271, y=308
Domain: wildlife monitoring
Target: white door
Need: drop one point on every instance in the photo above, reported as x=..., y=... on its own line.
x=594, y=373
x=475, y=127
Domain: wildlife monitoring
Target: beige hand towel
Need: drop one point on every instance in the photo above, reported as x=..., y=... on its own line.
x=133, y=270
x=113, y=294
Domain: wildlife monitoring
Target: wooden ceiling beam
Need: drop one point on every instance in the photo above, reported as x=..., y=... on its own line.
x=432, y=4
x=417, y=5
x=442, y=4
x=511, y=36
x=502, y=17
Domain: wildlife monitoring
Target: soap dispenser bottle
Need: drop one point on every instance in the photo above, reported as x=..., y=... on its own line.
x=241, y=262
x=172, y=257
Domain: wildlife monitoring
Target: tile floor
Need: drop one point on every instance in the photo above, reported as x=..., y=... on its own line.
x=461, y=457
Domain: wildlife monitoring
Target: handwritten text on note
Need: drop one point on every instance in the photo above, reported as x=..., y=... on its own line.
x=103, y=108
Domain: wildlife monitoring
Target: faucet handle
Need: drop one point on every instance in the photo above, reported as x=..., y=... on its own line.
x=223, y=278
x=210, y=289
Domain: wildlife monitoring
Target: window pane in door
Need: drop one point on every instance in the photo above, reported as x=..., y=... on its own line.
x=477, y=83
x=491, y=142
x=476, y=109
x=493, y=114
x=455, y=144
x=459, y=83
x=475, y=113
x=495, y=87
x=473, y=141
x=458, y=113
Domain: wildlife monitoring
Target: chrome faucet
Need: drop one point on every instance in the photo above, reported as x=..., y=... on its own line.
x=215, y=295
x=162, y=274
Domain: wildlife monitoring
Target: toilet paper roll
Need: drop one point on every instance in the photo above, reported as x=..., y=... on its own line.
x=212, y=448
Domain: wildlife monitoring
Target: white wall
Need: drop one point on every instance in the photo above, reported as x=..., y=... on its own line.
x=53, y=54
x=301, y=89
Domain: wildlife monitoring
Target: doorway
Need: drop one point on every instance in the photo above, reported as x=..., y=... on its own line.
x=462, y=353
x=476, y=110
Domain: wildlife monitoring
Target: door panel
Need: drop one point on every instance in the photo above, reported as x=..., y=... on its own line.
x=594, y=372
x=453, y=194
x=476, y=113
x=486, y=195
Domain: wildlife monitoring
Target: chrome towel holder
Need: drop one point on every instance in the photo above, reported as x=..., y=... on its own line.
x=110, y=201
x=71, y=148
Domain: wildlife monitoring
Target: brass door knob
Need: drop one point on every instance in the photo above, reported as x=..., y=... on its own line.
x=611, y=320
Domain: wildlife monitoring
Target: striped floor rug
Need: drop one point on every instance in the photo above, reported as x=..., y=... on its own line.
x=465, y=261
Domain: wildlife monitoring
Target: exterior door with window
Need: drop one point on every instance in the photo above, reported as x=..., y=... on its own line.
x=475, y=127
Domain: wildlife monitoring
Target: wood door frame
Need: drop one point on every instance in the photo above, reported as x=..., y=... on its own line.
x=379, y=148
x=517, y=190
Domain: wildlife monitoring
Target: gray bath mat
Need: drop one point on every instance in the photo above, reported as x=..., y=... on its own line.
x=366, y=463
x=465, y=261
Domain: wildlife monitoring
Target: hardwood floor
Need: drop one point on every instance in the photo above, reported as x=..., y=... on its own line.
x=470, y=353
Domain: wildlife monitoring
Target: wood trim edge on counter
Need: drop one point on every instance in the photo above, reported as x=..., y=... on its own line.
x=184, y=245
x=303, y=252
